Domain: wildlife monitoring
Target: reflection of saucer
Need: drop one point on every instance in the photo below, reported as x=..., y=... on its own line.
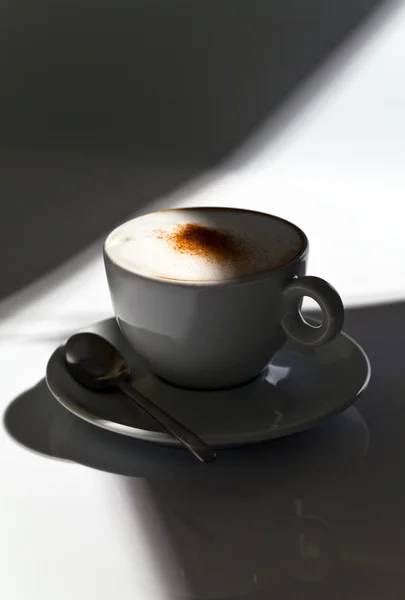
x=301, y=388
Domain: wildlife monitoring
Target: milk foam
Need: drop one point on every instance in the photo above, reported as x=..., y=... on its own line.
x=143, y=245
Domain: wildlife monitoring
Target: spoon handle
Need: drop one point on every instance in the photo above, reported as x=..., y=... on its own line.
x=190, y=440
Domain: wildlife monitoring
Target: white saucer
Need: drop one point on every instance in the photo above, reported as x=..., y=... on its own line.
x=301, y=388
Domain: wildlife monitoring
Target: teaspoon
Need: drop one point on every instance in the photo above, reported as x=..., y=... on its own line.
x=98, y=365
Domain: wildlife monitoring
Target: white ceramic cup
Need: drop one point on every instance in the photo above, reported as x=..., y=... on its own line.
x=211, y=333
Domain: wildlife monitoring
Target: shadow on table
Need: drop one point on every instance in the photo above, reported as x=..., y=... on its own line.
x=105, y=107
x=319, y=514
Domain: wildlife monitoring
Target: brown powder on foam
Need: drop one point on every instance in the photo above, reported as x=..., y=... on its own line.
x=212, y=244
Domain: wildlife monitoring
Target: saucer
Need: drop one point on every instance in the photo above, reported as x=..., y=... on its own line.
x=301, y=388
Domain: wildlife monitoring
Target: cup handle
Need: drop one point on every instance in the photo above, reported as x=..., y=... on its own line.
x=330, y=303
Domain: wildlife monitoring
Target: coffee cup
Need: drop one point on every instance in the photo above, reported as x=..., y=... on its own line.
x=207, y=296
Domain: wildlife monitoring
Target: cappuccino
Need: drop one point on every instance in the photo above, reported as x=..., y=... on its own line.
x=203, y=244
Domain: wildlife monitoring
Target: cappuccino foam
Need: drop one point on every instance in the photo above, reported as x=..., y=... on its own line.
x=203, y=244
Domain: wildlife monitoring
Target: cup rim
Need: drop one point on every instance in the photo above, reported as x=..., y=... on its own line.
x=248, y=279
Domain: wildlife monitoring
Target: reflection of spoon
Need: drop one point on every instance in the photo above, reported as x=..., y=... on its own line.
x=98, y=365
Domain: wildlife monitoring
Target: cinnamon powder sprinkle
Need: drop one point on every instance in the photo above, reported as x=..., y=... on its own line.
x=209, y=243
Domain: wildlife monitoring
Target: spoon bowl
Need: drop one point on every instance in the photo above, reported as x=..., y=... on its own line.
x=94, y=362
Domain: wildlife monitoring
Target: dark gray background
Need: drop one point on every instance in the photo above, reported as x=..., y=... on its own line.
x=105, y=106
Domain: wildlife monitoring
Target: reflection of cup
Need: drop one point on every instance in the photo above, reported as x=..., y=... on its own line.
x=227, y=547
x=308, y=547
x=208, y=295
